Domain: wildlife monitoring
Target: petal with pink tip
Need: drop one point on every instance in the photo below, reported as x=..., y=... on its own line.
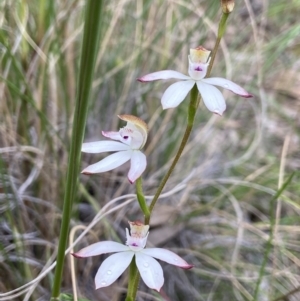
x=227, y=84
x=138, y=165
x=103, y=146
x=167, y=256
x=212, y=98
x=111, y=162
x=99, y=248
x=150, y=271
x=176, y=93
x=112, y=135
x=164, y=74
x=112, y=268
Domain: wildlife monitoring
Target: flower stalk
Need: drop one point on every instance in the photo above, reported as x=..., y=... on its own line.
x=221, y=31
x=194, y=103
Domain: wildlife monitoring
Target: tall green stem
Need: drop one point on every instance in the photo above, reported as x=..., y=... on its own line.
x=91, y=38
x=194, y=102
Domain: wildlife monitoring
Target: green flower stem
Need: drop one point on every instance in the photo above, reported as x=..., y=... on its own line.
x=91, y=38
x=221, y=31
x=141, y=198
x=194, y=103
x=222, y=25
x=133, y=282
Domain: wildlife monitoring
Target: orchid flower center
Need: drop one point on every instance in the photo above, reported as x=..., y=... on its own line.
x=197, y=71
x=132, y=136
x=137, y=240
x=198, y=62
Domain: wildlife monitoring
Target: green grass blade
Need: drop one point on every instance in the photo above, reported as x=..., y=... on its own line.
x=90, y=45
x=269, y=243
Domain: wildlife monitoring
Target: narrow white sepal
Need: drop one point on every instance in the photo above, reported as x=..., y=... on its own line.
x=103, y=146
x=164, y=74
x=100, y=248
x=227, y=84
x=111, y=162
x=167, y=256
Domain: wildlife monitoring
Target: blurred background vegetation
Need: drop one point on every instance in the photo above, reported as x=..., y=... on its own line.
x=220, y=215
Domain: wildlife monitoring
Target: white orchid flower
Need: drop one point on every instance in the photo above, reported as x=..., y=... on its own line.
x=112, y=267
x=198, y=64
x=133, y=137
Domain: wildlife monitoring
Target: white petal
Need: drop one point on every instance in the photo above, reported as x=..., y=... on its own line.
x=212, y=97
x=164, y=74
x=112, y=135
x=167, y=256
x=227, y=84
x=112, y=268
x=150, y=270
x=109, y=163
x=99, y=248
x=176, y=93
x=103, y=146
x=138, y=165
